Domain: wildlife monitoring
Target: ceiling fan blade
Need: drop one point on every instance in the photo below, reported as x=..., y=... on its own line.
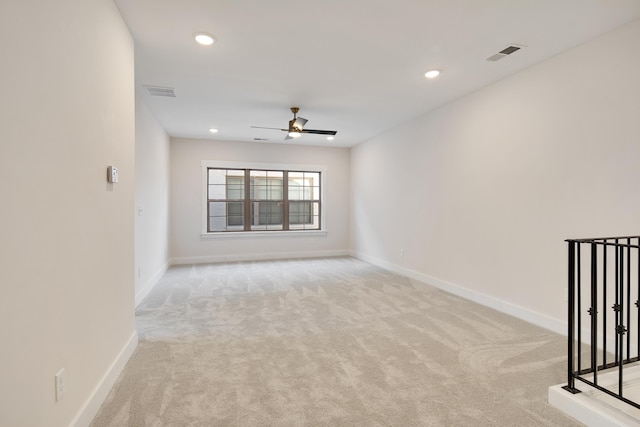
x=319, y=132
x=299, y=122
x=287, y=137
x=262, y=127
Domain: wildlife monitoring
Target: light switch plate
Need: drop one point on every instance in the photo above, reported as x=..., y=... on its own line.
x=112, y=174
x=60, y=384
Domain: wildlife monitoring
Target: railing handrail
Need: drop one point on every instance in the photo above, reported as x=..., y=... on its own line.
x=603, y=240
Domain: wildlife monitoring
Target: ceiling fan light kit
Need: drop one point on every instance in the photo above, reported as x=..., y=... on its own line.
x=296, y=127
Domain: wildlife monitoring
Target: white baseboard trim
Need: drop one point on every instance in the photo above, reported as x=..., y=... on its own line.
x=525, y=314
x=101, y=391
x=142, y=293
x=257, y=257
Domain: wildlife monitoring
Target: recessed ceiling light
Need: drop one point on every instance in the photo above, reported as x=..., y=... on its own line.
x=213, y=130
x=204, y=39
x=432, y=74
x=330, y=138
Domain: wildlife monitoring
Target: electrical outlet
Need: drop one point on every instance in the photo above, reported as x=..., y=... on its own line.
x=401, y=252
x=60, y=384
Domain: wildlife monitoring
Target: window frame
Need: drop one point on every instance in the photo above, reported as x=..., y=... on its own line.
x=207, y=164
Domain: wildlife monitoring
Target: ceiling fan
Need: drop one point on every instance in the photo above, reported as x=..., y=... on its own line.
x=296, y=127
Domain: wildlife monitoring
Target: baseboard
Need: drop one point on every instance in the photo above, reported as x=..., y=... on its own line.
x=466, y=293
x=142, y=293
x=256, y=257
x=101, y=391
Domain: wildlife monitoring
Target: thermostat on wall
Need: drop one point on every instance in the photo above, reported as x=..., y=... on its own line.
x=112, y=174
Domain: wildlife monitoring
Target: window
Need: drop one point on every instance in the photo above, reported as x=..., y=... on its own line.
x=262, y=200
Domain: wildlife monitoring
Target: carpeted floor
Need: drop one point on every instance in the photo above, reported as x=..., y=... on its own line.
x=329, y=342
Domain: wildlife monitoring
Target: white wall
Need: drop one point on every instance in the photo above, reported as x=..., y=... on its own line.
x=152, y=201
x=481, y=193
x=66, y=258
x=186, y=244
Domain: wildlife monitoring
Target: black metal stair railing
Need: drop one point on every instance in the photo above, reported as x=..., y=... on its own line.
x=603, y=312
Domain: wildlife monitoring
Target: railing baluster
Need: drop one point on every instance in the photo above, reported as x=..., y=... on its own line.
x=604, y=304
x=617, y=305
x=579, y=302
x=593, y=311
x=571, y=319
x=621, y=329
x=638, y=304
x=628, y=300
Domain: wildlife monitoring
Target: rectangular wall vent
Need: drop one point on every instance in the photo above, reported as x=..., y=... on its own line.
x=504, y=52
x=168, y=92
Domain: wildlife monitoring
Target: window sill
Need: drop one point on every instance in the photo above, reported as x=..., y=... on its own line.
x=261, y=234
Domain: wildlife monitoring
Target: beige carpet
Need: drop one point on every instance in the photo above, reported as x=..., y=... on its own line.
x=329, y=342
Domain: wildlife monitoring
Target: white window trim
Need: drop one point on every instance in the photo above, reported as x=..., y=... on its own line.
x=206, y=164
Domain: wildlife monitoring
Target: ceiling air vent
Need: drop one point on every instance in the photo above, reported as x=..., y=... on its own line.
x=160, y=91
x=504, y=52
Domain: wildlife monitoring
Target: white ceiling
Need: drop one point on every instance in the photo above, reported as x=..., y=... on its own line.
x=355, y=66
